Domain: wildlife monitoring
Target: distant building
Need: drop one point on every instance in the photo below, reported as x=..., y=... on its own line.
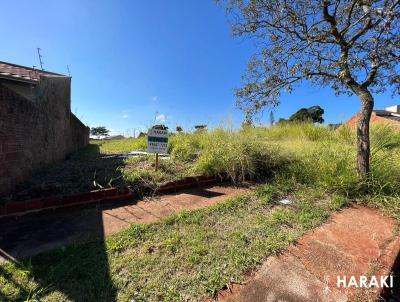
x=389, y=115
x=37, y=127
x=114, y=137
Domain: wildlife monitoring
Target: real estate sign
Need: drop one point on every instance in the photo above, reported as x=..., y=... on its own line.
x=157, y=141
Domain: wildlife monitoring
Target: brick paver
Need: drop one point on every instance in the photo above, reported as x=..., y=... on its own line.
x=24, y=236
x=357, y=241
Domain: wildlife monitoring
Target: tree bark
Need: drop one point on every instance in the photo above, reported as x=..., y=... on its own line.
x=363, y=140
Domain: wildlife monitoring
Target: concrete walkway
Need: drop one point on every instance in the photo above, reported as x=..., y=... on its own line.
x=356, y=241
x=28, y=235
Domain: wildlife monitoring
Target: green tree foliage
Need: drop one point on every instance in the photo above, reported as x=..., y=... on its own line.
x=200, y=128
x=351, y=46
x=312, y=114
x=99, y=131
x=160, y=127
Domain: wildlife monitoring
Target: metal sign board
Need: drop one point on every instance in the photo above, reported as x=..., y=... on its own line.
x=157, y=141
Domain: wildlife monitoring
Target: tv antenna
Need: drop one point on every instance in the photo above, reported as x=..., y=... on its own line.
x=69, y=71
x=40, y=57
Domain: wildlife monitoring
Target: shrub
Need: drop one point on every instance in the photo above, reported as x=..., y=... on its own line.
x=236, y=155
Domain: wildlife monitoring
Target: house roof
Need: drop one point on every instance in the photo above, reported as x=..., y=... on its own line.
x=388, y=115
x=23, y=73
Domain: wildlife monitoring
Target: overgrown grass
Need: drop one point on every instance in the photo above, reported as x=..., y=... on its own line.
x=121, y=145
x=308, y=154
x=194, y=254
x=141, y=170
x=187, y=257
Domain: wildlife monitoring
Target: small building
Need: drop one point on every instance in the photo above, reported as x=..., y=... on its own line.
x=389, y=115
x=37, y=127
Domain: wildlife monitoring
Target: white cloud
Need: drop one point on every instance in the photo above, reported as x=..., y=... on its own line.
x=161, y=118
x=125, y=115
x=154, y=98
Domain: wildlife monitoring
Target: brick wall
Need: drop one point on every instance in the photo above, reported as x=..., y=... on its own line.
x=375, y=119
x=36, y=131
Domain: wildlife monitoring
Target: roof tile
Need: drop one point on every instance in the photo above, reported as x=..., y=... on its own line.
x=19, y=72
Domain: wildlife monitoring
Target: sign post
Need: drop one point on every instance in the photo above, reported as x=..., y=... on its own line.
x=157, y=142
x=156, y=161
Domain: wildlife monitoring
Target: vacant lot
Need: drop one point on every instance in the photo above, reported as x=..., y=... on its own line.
x=194, y=254
x=307, y=153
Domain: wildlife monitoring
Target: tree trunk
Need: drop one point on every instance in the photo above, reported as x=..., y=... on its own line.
x=363, y=142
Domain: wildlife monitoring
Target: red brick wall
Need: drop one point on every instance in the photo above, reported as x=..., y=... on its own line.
x=352, y=122
x=36, y=132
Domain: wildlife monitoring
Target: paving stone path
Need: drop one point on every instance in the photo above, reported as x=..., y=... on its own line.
x=28, y=235
x=357, y=241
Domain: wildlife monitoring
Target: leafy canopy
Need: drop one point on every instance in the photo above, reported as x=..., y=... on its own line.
x=160, y=127
x=350, y=46
x=99, y=131
x=312, y=114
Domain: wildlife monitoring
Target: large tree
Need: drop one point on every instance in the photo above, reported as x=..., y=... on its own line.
x=351, y=46
x=312, y=114
x=200, y=128
x=99, y=131
x=160, y=127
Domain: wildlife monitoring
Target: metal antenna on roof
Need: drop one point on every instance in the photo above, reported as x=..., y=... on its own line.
x=40, y=57
x=69, y=71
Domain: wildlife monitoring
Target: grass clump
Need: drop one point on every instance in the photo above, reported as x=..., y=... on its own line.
x=141, y=170
x=237, y=156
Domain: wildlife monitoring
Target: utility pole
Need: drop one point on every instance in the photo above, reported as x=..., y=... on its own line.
x=271, y=118
x=40, y=57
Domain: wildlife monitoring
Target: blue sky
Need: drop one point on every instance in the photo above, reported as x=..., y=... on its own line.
x=134, y=61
